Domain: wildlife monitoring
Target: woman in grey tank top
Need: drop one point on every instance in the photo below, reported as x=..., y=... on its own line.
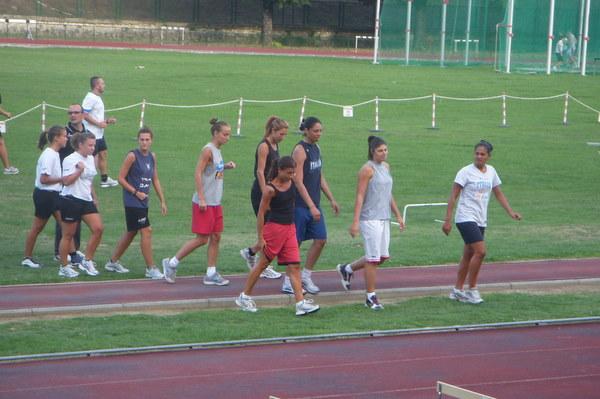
x=372, y=212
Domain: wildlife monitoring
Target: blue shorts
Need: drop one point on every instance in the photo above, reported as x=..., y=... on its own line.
x=470, y=232
x=306, y=227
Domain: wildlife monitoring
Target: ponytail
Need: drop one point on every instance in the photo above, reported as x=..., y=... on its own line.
x=274, y=123
x=50, y=135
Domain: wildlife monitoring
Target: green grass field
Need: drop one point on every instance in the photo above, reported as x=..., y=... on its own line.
x=549, y=173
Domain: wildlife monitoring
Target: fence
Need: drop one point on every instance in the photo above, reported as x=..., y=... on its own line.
x=565, y=97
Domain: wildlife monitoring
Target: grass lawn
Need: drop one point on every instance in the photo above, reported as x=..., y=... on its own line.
x=209, y=326
x=549, y=173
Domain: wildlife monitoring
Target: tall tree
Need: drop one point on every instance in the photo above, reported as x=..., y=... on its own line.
x=267, y=24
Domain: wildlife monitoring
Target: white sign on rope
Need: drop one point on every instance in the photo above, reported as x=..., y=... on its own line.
x=2, y=127
x=348, y=111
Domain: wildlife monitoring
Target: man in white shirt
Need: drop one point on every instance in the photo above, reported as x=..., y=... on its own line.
x=95, y=122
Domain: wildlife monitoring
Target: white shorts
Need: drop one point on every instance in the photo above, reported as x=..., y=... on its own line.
x=376, y=236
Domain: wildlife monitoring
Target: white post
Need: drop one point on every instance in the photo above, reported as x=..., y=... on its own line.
x=503, y=111
x=580, y=37
x=408, y=30
x=239, y=121
x=443, y=36
x=302, y=113
x=468, y=35
x=43, y=116
x=509, y=33
x=376, y=114
x=376, y=38
x=566, y=110
x=433, y=124
x=550, y=38
x=142, y=113
x=586, y=30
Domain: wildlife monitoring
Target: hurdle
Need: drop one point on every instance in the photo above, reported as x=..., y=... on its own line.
x=453, y=391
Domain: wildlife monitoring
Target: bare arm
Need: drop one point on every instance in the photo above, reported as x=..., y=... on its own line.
x=261, y=165
x=203, y=161
x=124, y=171
x=456, y=189
x=364, y=176
x=46, y=179
x=329, y=195
x=70, y=179
x=504, y=202
x=265, y=204
x=300, y=157
x=94, y=121
x=158, y=188
x=5, y=113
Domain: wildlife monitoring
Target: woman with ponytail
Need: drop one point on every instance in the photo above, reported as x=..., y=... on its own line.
x=48, y=183
x=266, y=153
x=374, y=201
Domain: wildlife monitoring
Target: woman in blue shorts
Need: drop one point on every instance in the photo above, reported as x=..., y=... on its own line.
x=473, y=184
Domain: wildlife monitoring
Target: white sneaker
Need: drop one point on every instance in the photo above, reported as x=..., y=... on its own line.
x=115, y=267
x=109, y=183
x=215, y=279
x=287, y=288
x=67, y=271
x=88, y=267
x=11, y=170
x=246, y=303
x=270, y=273
x=250, y=259
x=30, y=262
x=309, y=286
x=305, y=307
x=168, y=271
x=154, y=273
x=458, y=295
x=473, y=296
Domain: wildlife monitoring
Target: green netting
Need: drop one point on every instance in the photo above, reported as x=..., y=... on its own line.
x=425, y=44
x=530, y=36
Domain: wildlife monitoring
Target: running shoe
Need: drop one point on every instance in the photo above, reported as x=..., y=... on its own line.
x=11, y=170
x=67, y=271
x=88, y=267
x=31, y=263
x=305, y=307
x=373, y=303
x=115, y=267
x=346, y=277
x=246, y=303
x=168, y=271
x=215, y=279
x=250, y=259
x=287, y=288
x=457, y=295
x=154, y=273
x=109, y=183
x=309, y=286
x=270, y=273
x=473, y=296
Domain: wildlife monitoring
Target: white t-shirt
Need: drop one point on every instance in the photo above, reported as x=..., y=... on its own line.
x=48, y=164
x=94, y=106
x=82, y=187
x=475, y=195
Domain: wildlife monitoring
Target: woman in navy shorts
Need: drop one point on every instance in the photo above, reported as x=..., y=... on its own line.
x=473, y=183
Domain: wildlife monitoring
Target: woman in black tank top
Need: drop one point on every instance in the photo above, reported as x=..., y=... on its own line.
x=267, y=152
x=277, y=236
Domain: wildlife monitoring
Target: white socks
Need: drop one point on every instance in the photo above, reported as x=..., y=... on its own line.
x=211, y=270
x=173, y=262
x=348, y=269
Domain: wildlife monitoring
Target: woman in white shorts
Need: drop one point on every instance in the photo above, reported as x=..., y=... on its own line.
x=372, y=212
x=473, y=183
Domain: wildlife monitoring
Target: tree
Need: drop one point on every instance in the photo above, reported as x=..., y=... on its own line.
x=267, y=23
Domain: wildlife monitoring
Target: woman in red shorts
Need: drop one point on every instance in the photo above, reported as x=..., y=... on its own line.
x=277, y=236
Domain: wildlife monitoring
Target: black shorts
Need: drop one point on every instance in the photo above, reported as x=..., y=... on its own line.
x=46, y=202
x=100, y=146
x=136, y=218
x=470, y=232
x=72, y=209
x=255, y=197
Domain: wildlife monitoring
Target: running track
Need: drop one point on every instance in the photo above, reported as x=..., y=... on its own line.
x=90, y=293
x=551, y=362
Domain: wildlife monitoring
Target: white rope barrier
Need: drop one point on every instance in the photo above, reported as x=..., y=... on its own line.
x=55, y=106
x=325, y=103
x=274, y=101
x=124, y=108
x=404, y=99
x=586, y=106
x=192, y=106
x=22, y=113
x=469, y=99
x=365, y=103
x=536, y=98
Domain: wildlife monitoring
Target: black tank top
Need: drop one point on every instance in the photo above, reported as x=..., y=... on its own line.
x=271, y=156
x=282, y=206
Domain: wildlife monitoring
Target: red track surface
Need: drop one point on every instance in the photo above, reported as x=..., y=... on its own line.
x=556, y=362
x=121, y=292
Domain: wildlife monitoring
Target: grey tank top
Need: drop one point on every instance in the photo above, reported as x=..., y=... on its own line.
x=212, y=178
x=376, y=205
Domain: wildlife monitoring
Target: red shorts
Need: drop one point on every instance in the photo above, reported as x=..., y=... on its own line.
x=281, y=242
x=208, y=221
